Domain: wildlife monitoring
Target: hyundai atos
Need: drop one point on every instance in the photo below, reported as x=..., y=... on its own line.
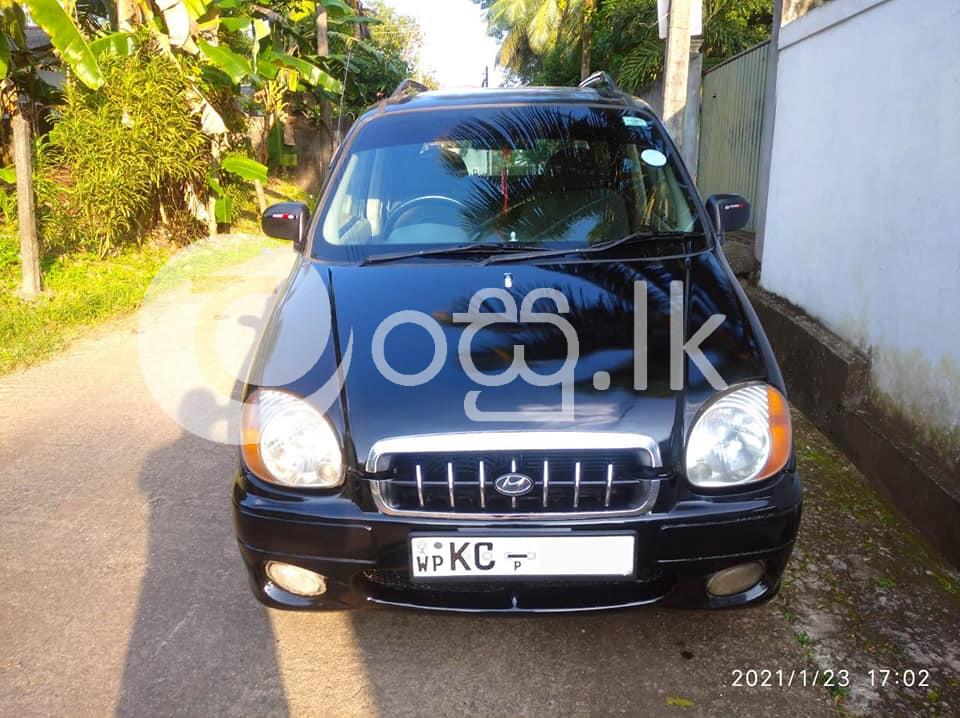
x=511, y=370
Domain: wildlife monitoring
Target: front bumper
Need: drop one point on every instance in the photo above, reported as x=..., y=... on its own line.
x=364, y=554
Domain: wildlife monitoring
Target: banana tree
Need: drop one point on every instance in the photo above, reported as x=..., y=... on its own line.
x=243, y=45
x=252, y=45
x=20, y=85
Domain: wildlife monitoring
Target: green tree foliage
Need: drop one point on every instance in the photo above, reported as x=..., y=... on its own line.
x=379, y=58
x=120, y=157
x=385, y=60
x=625, y=39
x=533, y=28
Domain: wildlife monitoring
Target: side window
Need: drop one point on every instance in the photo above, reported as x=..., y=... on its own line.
x=349, y=205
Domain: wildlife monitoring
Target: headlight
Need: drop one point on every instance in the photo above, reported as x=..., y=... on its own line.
x=743, y=435
x=287, y=441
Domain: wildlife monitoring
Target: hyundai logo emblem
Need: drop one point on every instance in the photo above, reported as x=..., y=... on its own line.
x=513, y=484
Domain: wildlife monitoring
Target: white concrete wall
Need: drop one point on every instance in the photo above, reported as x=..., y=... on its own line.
x=863, y=218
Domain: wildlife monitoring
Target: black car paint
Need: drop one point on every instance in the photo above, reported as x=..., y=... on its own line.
x=690, y=533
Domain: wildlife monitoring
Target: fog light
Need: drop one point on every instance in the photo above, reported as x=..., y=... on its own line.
x=294, y=579
x=735, y=579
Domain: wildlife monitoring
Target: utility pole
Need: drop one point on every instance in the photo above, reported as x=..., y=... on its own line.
x=486, y=76
x=26, y=213
x=677, y=68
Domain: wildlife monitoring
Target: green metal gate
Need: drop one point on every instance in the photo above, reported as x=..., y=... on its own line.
x=731, y=120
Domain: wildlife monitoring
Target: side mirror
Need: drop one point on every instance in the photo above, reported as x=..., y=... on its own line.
x=287, y=220
x=728, y=211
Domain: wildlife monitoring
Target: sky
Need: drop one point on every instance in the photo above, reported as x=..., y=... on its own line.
x=456, y=45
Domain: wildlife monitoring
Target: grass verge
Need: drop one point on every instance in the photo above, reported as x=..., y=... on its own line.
x=83, y=290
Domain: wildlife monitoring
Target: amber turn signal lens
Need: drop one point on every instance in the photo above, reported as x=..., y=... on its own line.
x=781, y=434
x=250, y=437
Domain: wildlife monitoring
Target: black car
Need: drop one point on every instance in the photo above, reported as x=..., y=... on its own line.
x=512, y=371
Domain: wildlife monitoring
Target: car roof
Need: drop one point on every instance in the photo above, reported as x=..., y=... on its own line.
x=440, y=99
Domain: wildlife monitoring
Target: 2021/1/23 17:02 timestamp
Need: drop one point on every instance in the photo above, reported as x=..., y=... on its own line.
x=908, y=677
x=827, y=678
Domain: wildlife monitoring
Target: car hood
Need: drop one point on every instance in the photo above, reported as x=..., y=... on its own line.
x=600, y=297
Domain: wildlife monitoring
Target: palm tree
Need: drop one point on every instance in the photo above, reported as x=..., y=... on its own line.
x=538, y=26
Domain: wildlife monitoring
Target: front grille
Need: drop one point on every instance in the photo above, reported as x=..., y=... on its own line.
x=565, y=481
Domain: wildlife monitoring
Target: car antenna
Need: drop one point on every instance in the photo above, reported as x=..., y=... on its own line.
x=343, y=90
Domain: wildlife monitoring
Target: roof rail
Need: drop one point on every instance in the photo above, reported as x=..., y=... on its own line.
x=600, y=79
x=406, y=86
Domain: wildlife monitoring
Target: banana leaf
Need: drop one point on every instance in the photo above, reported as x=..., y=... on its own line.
x=4, y=55
x=120, y=44
x=233, y=24
x=214, y=184
x=260, y=29
x=338, y=6
x=310, y=73
x=196, y=8
x=235, y=66
x=244, y=167
x=65, y=36
x=278, y=152
x=223, y=210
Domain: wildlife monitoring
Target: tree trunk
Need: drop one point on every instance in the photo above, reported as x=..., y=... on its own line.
x=323, y=44
x=323, y=49
x=30, y=286
x=585, y=44
x=586, y=39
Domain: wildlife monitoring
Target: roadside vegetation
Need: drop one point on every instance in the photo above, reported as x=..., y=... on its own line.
x=155, y=125
x=83, y=289
x=560, y=42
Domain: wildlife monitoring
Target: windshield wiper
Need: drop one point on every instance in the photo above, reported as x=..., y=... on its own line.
x=594, y=248
x=459, y=250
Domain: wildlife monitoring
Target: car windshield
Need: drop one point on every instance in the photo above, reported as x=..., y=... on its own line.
x=541, y=176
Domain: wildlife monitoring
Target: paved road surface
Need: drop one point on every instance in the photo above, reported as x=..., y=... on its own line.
x=122, y=591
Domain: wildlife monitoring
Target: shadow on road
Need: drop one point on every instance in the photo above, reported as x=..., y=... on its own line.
x=647, y=662
x=201, y=645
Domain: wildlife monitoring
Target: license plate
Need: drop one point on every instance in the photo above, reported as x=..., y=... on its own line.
x=464, y=556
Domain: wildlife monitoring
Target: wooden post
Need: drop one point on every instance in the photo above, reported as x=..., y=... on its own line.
x=261, y=195
x=212, y=227
x=26, y=212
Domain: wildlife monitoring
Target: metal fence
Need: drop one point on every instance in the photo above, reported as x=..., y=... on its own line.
x=731, y=120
